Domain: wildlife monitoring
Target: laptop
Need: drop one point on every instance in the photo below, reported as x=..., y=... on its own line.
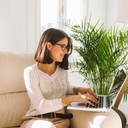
x=105, y=102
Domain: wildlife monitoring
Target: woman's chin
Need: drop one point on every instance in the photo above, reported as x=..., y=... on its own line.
x=60, y=60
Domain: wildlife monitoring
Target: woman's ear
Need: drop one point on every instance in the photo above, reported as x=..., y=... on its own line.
x=48, y=45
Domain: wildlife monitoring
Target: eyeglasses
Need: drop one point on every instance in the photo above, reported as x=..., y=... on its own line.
x=63, y=46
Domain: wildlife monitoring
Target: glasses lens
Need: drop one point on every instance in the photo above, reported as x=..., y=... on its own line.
x=63, y=46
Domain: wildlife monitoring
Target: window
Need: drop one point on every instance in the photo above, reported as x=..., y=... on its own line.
x=74, y=10
x=55, y=12
x=49, y=14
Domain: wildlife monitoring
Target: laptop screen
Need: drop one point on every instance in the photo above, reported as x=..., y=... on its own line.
x=119, y=79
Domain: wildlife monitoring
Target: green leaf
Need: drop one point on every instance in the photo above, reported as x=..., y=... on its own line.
x=102, y=52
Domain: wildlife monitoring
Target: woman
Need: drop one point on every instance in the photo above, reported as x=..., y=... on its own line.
x=47, y=83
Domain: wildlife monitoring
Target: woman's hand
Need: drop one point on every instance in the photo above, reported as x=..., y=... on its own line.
x=83, y=90
x=83, y=95
x=86, y=94
x=90, y=99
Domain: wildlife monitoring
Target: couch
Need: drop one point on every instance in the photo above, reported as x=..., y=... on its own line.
x=14, y=101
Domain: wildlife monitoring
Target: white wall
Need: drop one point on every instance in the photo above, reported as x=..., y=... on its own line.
x=95, y=7
x=105, y=10
x=4, y=25
x=18, y=25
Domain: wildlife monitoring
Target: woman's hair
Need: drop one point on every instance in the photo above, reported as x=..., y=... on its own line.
x=52, y=35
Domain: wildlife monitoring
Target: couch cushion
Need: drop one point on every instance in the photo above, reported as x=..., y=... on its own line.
x=14, y=101
x=11, y=67
x=12, y=107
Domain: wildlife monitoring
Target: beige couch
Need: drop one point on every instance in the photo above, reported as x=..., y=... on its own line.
x=14, y=101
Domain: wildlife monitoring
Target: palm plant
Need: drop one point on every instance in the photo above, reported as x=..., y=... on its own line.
x=102, y=52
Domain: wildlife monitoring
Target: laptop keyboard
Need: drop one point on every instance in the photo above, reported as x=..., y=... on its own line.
x=103, y=102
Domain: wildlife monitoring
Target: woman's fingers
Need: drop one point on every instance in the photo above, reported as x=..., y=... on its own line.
x=91, y=92
x=89, y=99
x=92, y=98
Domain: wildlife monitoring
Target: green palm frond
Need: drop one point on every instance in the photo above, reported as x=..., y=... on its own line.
x=102, y=52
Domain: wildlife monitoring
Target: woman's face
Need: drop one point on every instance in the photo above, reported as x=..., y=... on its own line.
x=58, y=50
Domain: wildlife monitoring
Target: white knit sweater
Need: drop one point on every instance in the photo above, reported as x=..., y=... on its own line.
x=46, y=92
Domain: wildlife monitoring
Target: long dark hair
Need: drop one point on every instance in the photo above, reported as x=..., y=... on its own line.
x=52, y=35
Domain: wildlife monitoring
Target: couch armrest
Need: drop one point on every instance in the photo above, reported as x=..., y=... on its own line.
x=122, y=117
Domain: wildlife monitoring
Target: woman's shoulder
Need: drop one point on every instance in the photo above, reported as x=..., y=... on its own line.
x=62, y=71
x=30, y=68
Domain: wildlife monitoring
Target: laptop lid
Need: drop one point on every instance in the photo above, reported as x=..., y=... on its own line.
x=122, y=88
x=119, y=88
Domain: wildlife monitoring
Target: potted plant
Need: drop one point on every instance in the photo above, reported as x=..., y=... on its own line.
x=102, y=52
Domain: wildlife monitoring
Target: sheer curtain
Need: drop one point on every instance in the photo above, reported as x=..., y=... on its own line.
x=53, y=13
